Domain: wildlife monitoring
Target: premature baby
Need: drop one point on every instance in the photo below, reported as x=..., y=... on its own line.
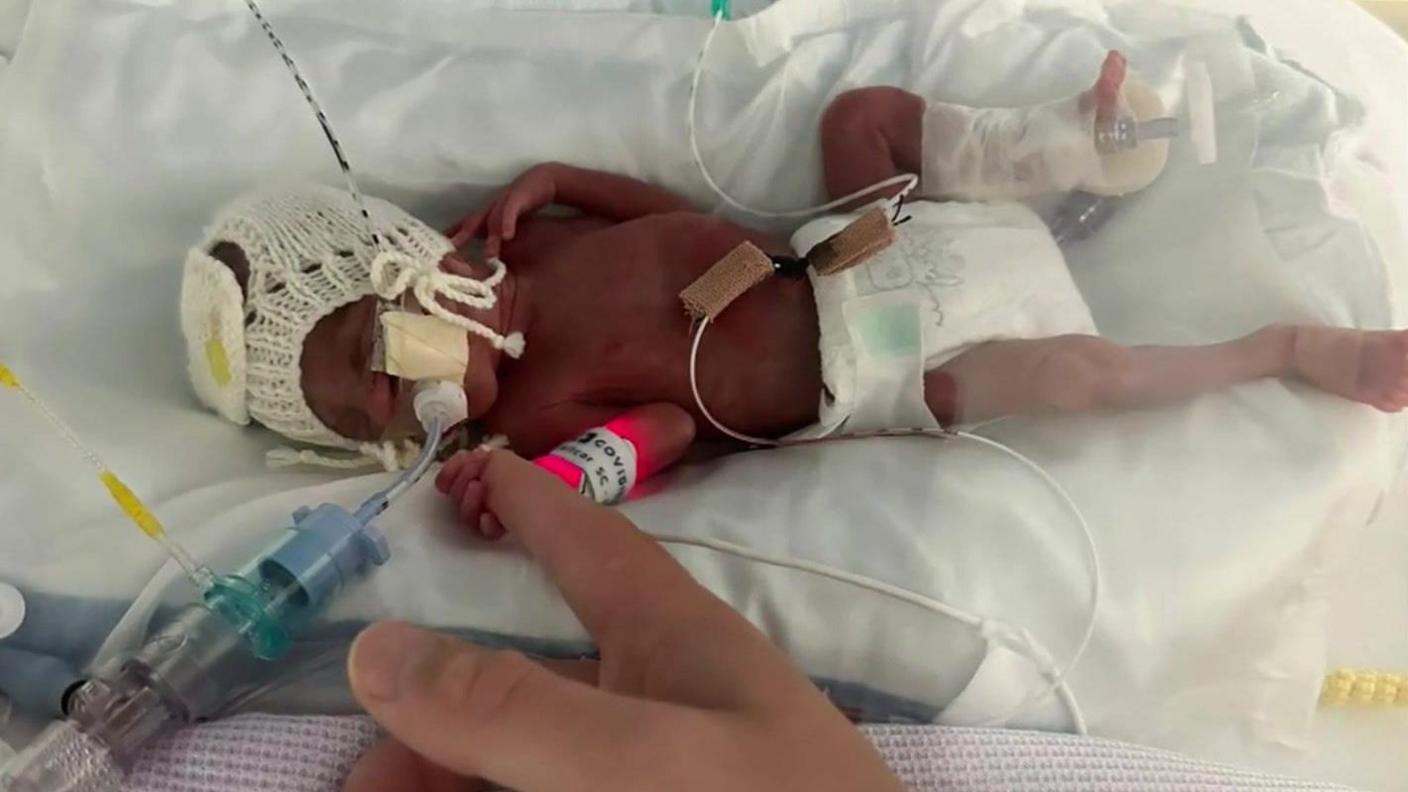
x=911, y=337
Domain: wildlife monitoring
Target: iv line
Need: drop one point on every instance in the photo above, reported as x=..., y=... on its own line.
x=910, y=181
x=307, y=91
x=126, y=500
x=1056, y=682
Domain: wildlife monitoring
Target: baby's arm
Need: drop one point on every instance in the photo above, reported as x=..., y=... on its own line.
x=608, y=196
x=660, y=434
x=612, y=196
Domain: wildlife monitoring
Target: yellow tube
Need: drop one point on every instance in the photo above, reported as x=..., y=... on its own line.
x=122, y=495
x=132, y=506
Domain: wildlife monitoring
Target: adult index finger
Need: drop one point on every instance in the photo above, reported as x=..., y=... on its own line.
x=612, y=575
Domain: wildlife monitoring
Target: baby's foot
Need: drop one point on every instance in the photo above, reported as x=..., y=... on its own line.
x=1366, y=366
x=1104, y=96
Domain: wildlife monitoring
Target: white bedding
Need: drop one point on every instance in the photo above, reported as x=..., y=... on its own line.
x=1369, y=604
x=12, y=15
x=1218, y=521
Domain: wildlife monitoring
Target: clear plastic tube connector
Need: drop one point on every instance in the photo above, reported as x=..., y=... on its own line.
x=201, y=660
x=63, y=759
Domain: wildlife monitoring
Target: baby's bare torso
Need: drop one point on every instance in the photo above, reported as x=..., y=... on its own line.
x=606, y=330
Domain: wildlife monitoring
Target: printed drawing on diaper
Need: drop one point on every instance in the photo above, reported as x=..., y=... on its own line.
x=931, y=261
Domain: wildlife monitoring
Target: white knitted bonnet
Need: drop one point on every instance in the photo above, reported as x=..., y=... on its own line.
x=309, y=253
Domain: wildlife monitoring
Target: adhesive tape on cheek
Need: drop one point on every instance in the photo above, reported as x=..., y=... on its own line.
x=421, y=347
x=11, y=610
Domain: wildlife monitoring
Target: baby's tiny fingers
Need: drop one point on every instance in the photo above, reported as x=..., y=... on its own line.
x=490, y=527
x=468, y=229
x=493, y=225
x=471, y=503
x=469, y=473
x=472, y=465
x=450, y=471
x=458, y=488
x=514, y=207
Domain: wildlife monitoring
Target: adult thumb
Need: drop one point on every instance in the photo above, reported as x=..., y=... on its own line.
x=498, y=715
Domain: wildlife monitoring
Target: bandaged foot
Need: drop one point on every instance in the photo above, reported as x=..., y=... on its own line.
x=1367, y=366
x=1012, y=153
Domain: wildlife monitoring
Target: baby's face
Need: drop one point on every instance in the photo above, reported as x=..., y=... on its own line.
x=339, y=384
x=360, y=404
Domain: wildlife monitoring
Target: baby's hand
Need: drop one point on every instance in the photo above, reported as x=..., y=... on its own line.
x=497, y=222
x=460, y=480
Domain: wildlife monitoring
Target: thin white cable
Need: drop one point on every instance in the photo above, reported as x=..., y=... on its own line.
x=908, y=179
x=343, y=164
x=1057, y=681
x=699, y=400
x=1068, y=698
x=840, y=575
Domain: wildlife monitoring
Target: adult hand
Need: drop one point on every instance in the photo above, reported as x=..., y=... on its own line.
x=687, y=695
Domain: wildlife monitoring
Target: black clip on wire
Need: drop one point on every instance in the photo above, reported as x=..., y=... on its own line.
x=897, y=220
x=789, y=266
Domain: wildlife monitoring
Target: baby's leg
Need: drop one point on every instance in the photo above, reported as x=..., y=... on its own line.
x=872, y=134
x=1076, y=373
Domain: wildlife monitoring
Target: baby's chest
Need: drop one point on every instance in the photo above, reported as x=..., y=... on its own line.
x=593, y=335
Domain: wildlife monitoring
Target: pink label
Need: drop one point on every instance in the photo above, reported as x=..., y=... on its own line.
x=568, y=472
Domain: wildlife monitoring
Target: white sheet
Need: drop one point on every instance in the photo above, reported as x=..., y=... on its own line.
x=1352, y=50
x=12, y=15
x=119, y=141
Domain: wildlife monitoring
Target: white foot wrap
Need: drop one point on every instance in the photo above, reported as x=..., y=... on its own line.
x=981, y=154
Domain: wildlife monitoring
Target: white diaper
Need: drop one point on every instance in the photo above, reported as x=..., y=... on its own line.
x=958, y=275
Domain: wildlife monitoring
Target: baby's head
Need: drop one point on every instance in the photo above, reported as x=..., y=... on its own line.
x=280, y=307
